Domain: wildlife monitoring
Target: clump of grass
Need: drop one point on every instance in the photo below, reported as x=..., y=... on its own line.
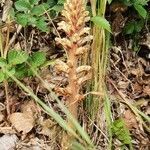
x=99, y=53
x=99, y=56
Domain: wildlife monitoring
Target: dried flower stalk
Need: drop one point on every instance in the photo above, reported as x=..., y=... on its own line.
x=76, y=44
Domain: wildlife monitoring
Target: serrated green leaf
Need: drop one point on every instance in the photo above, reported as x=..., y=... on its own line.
x=2, y=76
x=42, y=25
x=139, y=25
x=39, y=9
x=22, y=19
x=34, y=2
x=61, y=1
x=141, y=10
x=3, y=62
x=52, y=14
x=12, y=71
x=17, y=57
x=58, y=8
x=129, y=28
x=21, y=71
x=37, y=59
x=127, y=2
x=30, y=71
x=121, y=131
x=101, y=22
x=141, y=2
x=32, y=20
x=22, y=5
x=52, y=3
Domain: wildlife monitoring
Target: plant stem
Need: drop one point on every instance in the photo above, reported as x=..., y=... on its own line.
x=7, y=97
x=7, y=39
x=3, y=56
x=1, y=40
x=72, y=79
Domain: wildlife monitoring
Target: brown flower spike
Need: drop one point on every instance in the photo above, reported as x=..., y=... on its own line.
x=76, y=44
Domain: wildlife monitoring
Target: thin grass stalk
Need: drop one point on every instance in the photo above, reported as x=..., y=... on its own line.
x=1, y=40
x=2, y=52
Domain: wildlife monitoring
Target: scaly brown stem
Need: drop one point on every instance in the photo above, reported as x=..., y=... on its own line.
x=73, y=85
x=75, y=44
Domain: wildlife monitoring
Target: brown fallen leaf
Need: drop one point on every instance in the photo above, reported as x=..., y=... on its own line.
x=22, y=122
x=130, y=120
x=146, y=90
x=137, y=88
x=48, y=128
x=123, y=84
x=30, y=108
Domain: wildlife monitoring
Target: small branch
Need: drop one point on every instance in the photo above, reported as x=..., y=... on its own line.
x=12, y=40
x=7, y=98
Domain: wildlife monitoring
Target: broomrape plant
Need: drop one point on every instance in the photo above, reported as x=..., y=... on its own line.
x=76, y=45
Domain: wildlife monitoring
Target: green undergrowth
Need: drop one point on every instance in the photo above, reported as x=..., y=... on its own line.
x=17, y=63
x=122, y=133
x=32, y=12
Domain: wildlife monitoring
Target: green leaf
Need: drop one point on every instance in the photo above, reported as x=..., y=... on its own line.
x=61, y=1
x=101, y=22
x=121, y=131
x=39, y=9
x=22, y=5
x=139, y=25
x=37, y=59
x=12, y=71
x=22, y=19
x=58, y=8
x=32, y=20
x=52, y=3
x=109, y=1
x=129, y=28
x=34, y=2
x=21, y=71
x=141, y=10
x=52, y=14
x=141, y=2
x=3, y=62
x=42, y=25
x=17, y=57
x=2, y=76
x=12, y=14
x=127, y=2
